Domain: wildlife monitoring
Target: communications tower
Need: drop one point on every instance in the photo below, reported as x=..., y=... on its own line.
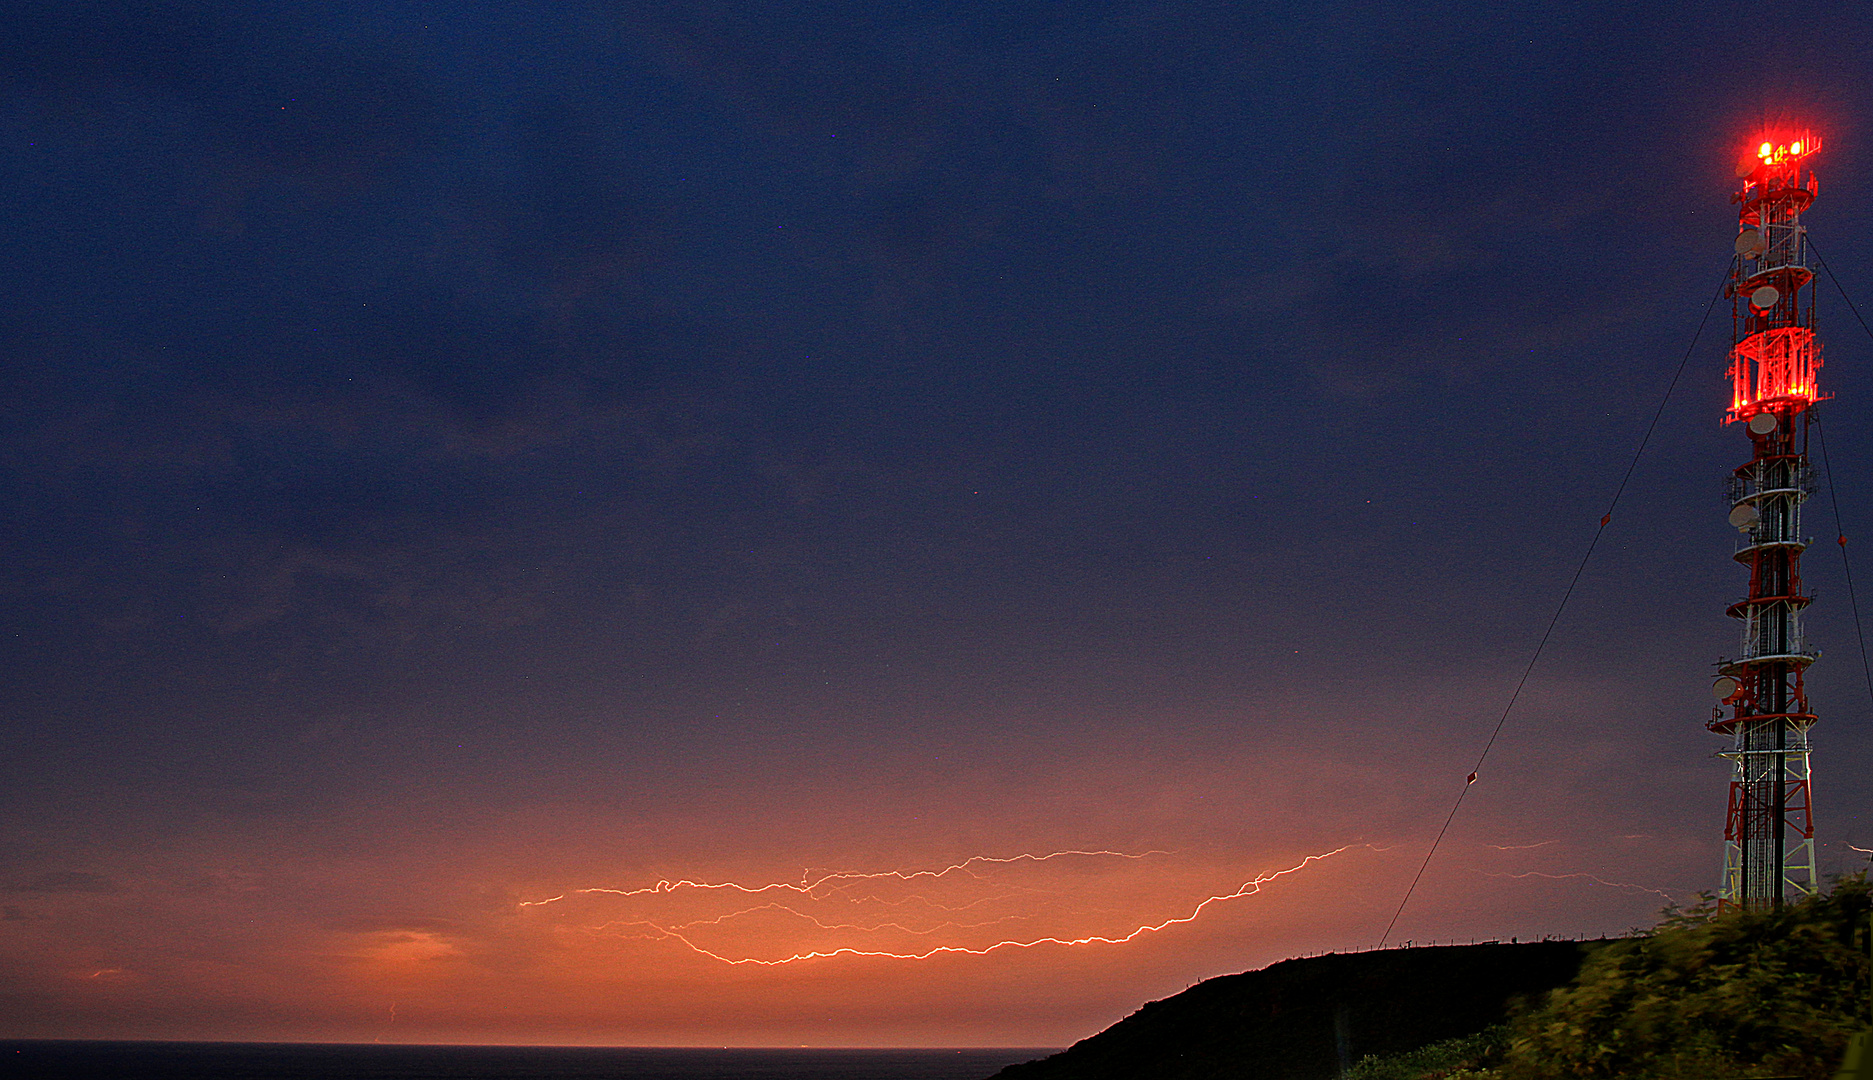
x=1763, y=707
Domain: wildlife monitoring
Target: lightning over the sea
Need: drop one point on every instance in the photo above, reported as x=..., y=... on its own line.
x=980, y=905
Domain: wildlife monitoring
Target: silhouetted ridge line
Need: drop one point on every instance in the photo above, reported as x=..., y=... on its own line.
x=1307, y=1019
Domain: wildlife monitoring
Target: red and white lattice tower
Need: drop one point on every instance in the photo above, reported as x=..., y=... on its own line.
x=1769, y=834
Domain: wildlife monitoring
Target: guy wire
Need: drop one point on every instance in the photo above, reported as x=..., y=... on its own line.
x=1840, y=532
x=1605, y=520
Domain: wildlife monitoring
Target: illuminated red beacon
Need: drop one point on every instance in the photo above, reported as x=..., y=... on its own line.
x=1763, y=707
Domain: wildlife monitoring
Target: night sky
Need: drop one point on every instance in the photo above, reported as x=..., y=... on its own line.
x=989, y=473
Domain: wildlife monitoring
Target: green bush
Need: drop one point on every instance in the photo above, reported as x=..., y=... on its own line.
x=1760, y=993
x=1702, y=997
x=1452, y=1059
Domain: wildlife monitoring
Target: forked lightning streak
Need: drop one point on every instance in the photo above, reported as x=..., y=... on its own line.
x=826, y=886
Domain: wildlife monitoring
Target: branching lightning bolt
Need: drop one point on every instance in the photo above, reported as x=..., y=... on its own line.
x=718, y=920
x=829, y=887
x=808, y=885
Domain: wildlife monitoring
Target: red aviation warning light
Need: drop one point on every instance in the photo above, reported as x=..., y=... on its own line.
x=1762, y=702
x=1775, y=358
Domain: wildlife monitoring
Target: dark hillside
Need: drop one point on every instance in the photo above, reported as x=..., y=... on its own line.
x=1305, y=1019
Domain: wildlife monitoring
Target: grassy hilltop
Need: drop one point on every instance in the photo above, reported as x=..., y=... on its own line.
x=1761, y=994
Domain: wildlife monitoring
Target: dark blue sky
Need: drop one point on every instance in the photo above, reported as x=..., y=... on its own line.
x=422, y=416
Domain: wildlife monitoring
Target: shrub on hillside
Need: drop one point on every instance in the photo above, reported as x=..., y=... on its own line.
x=1704, y=996
x=1452, y=1059
x=1767, y=993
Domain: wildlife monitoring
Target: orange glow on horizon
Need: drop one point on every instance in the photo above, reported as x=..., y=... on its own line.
x=569, y=923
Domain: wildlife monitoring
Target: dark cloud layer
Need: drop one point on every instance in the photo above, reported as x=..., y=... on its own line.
x=268, y=94
x=657, y=440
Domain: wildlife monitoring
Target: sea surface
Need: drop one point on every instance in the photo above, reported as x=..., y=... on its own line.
x=305, y=1061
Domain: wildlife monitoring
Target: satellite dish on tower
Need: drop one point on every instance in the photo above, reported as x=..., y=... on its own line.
x=1762, y=423
x=1764, y=298
x=1745, y=165
x=1749, y=243
x=1723, y=688
x=1745, y=517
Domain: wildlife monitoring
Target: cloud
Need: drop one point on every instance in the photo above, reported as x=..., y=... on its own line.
x=275, y=97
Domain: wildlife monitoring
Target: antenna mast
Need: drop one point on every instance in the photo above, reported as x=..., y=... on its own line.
x=1763, y=707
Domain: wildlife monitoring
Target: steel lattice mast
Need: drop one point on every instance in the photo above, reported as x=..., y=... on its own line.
x=1774, y=355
